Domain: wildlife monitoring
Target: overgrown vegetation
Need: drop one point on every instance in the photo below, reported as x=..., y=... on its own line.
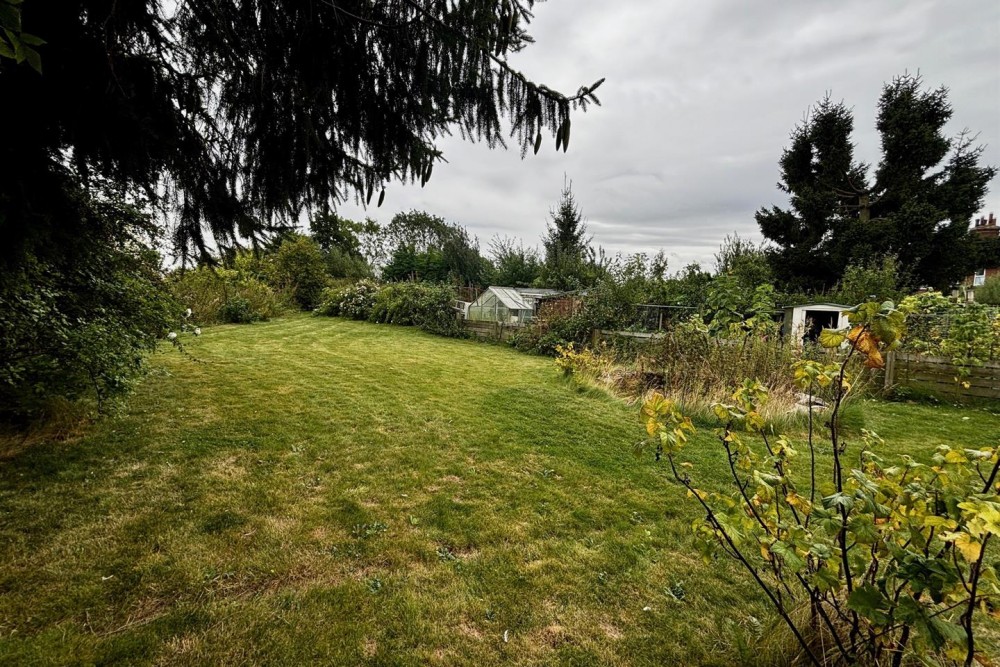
x=873, y=563
x=428, y=306
x=77, y=321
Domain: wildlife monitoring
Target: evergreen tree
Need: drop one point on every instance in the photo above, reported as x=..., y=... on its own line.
x=569, y=257
x=237, y=114
x=926, y=189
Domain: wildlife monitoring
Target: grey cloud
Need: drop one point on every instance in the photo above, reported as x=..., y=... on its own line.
x=698, y=103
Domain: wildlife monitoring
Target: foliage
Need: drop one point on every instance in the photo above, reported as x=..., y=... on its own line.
x=967, y=333
x=299, y=267
x=428, y=306
x=426, y=247
x=514, y=265
x=229, y=295
x=733, y=309
x=874, y=280
x=78, y=322
x=354, y=301
x=16, y=44
x=238, y=310
x=989, y=292
x=916, y=206
x=888, y=559
x=570, y=261
x=251, y=113
x=340, y=241
x=688, y=287
x=744, y=260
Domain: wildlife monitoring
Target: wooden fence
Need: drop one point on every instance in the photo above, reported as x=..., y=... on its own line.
x=938, y=375
x=492, y=330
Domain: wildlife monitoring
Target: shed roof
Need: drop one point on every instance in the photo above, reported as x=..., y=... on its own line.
x=820, y=304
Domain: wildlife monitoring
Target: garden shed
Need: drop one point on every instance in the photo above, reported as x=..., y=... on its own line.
x=803, y=323
x=507, y=305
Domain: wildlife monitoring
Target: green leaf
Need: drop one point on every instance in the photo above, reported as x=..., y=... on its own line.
x=792, y=560
x=840, y=501
x=831, y=338
x=10, y=18
x=33, y=59
x=32, y=39
x=951, y=632
x=869, y=602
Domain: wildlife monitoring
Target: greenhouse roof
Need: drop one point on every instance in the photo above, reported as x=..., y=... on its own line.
x=510, y=298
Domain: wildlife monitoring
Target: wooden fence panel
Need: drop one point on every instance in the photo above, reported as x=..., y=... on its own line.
x=492, y=330
x=939, y=375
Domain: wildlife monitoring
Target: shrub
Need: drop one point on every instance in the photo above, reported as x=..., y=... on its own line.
x=78, y=322
x=428, y=306
x=864, y=565
x=298, y=266
x=238, y=310
x=353, y=301
x=207, y=292
x=967, y=333
x=989, y=292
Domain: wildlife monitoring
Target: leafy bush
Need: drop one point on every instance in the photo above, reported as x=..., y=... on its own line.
x=299, y=266
x=989, y=292
x=428, y=306
x=877, y=280
x=214, y=295
x=353, y=301
x=78, y=322
x=238, y=310
x=871, y=563
x=967, y=333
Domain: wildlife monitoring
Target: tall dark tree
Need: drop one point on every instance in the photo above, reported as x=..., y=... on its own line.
x=242, y=112
x=917, y=207
x=569, y=256
x=824, y=183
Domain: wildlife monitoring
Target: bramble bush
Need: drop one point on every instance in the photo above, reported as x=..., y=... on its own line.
x=868, y=562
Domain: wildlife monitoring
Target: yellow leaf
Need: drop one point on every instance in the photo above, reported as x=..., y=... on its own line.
x=969, y=548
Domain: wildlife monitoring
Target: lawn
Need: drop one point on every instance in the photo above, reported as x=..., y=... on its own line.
x=312, y=490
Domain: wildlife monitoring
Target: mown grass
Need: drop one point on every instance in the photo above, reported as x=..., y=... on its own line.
x=321, y=491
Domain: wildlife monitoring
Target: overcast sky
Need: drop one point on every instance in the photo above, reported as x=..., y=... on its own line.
x=699, y=101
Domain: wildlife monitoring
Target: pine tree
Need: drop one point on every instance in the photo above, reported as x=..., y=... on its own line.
x=926, y=189
x=237, y=114
x=567, y=246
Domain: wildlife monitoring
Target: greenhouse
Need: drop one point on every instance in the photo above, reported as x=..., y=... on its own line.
x=507, y=305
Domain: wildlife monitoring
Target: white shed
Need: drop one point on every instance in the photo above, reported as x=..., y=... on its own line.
x=804, y=322
x=508, y=305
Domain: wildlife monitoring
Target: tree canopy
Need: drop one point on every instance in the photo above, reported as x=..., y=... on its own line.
x=237, y=114
x=916, y=205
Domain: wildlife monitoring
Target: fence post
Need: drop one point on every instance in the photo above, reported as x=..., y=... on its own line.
x=890, y=370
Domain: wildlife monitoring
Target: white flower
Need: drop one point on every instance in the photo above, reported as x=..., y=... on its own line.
x=197, y=331
x=187, y=313
x=172, y=335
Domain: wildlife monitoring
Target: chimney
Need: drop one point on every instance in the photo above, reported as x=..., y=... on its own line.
x=986, y=228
